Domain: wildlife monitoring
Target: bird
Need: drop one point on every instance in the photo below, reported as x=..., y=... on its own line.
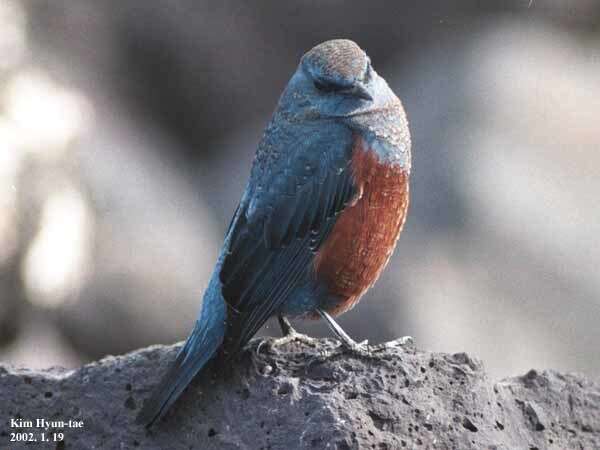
x=326, y=200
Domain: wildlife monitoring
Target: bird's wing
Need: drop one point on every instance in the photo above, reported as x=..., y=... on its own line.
x=297, y=187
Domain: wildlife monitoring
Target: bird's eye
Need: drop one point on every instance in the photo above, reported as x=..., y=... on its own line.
x=327, y=86
x=368, y=72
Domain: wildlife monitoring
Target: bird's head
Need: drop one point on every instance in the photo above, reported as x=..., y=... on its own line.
x=335, y=79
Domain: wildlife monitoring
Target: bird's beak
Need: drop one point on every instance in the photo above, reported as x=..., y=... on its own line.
x=361, y=91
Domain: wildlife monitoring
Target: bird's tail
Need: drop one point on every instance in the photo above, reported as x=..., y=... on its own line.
x=199, y=348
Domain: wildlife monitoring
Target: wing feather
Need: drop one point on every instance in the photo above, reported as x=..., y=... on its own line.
x=280, y=227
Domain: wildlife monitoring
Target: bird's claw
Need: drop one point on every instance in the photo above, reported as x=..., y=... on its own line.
x=358, y=349
x=272, y=343
x=294, y=336
x=263, y=363
x=361, y=349
x=259, y=346
x=404, y=341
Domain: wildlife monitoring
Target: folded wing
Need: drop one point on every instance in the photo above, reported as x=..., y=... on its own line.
x=291, y=205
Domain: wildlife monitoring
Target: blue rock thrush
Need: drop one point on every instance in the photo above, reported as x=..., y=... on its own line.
x=319, y=218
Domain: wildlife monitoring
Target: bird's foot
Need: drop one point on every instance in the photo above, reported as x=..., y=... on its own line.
x=263, y=352
x=262, y=362
x=404, y=341
x=290, y=335
x=350, y=347
x=293, y=336
x=270, y=344
x=361, y=349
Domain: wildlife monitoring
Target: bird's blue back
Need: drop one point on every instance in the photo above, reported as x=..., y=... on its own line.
x=301, y=180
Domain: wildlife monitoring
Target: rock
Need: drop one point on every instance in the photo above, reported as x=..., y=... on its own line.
x=295, y=396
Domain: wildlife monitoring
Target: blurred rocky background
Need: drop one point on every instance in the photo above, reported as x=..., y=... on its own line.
x=127, y=132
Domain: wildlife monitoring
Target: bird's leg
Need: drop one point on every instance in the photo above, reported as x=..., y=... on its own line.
x=285, y=325
x=289, y=335
x=347, y=341
x=360, y=348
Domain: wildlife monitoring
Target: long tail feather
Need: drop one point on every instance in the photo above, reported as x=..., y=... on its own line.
x=200, y=347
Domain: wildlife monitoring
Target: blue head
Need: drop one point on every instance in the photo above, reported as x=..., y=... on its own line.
x=335, y=79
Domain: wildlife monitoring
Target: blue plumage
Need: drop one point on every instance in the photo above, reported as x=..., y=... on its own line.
x=301, y=180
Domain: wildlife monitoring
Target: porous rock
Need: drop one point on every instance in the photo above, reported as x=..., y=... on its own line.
x=297, y=396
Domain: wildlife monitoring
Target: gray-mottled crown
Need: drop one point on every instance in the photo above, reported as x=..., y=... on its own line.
x=338, y=61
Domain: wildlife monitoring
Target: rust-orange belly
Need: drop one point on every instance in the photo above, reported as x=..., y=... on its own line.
x=365, y=233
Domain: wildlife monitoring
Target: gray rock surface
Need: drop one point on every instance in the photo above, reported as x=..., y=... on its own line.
x=295, y=396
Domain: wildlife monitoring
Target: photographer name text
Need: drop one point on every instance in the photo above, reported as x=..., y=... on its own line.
x=46, y=424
